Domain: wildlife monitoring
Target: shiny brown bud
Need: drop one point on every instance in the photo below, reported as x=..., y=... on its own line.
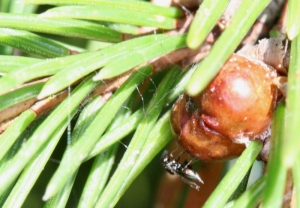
x=236, y=107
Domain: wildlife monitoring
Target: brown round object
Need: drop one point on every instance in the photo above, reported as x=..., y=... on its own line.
x=195, y=138
x=236, y=107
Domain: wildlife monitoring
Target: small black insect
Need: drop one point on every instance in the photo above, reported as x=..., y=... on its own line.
x=184, y=170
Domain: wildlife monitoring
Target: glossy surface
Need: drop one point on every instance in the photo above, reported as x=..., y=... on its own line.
x=236, y=107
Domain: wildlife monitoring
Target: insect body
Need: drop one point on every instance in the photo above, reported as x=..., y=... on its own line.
x=184, y=170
